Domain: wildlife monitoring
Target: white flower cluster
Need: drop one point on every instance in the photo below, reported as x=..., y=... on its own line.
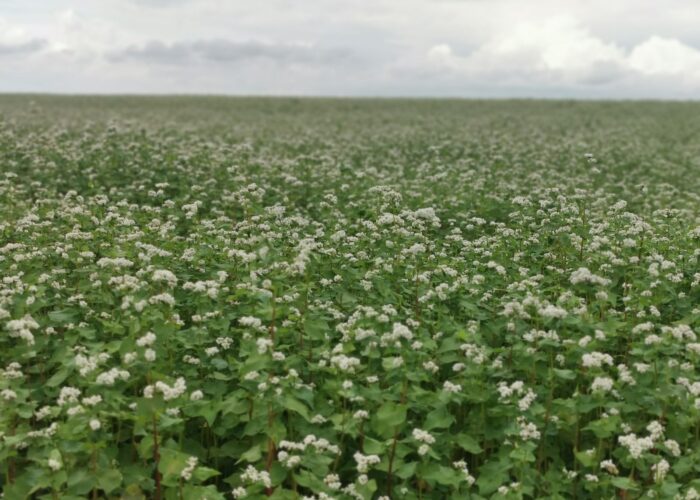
x=636, y=445
x=46, y=432
x=320, y=445
x=88, y=364
x=117, y=262
x=289, y=461
x=475, y=353
x=505, y=391
x=146, y=340
x=596, y=359
x=660, y=469
x=209, y=287
x=345, y=363
x=111, y=376
x=252, y=322
x=602, y=385
x=252, y=475
x=164, y=276
x=528, y=430
x=22, y=328
x=68, y=395
x=448, y=386
x=162, y=298
x=398, y=331
x=552, y=311
x=364, y=462
x=263, y=345
x=333, y=481
x=610, y=467
x=8, y=394
x=461, y=466
x=186, y=473
x=423, y=437
x=526, y=401
x=583, y=275
x=169, y=392
x=12, y=371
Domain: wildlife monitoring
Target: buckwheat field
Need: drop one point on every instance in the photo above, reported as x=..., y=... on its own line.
x=211, y=298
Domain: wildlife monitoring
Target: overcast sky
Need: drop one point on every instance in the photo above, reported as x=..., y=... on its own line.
x=468, y=48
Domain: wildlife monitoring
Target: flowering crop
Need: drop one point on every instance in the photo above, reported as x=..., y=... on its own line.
x=212, y=298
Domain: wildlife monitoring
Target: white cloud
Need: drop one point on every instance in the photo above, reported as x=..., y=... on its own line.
x=442, y=55
x=558, y=48
x=561, y=44
x=665, y=56
x=350, y=47
x=15, y=40
x=559, y=51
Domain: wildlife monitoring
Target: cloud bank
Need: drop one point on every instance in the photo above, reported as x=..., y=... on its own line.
x=469, y=48
x=228, y=51
x=560, y=51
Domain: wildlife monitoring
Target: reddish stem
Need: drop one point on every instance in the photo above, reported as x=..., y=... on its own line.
x=156, y=458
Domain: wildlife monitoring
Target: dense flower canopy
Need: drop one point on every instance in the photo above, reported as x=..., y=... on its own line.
x=216, y=298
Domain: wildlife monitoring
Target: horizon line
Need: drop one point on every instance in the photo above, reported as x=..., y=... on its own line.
x=369, y=97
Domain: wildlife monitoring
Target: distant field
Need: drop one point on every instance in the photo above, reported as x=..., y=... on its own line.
x=354, y=299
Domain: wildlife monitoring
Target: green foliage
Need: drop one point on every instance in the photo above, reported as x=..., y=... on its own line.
x=216, y=298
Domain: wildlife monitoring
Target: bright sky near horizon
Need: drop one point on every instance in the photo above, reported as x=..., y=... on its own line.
x=464, y=48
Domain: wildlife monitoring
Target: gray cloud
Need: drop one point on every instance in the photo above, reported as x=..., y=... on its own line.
x=159, y=3
x=478, y=48
x=227, y=51
x=27, y=47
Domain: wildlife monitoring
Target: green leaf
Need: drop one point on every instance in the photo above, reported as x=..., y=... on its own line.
x=316, y=327
x=219, y=364
x=523, y=453
x=406, y=470
x=564, y=374
x=468, y=443
x=374, y=447
x=624, y=483
x=310, y=481
x=190, y=491
x=683, y=466
x=605, y=427
x=80, y=482
x=297, y=406
x=441, y=475
x=208, y=411
x=31, y=480
x=58, y=378
x=63, y=316
x=201, y=474
x=252, y=455
x=492, y=475
x=389, y=419
x=669, y=488
x=109, y=480
x=588, y=460
x=145, y=448
x=367, y=490
x=234, y=405
x=390, y=363
x=439, y=418
x=171, y=464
